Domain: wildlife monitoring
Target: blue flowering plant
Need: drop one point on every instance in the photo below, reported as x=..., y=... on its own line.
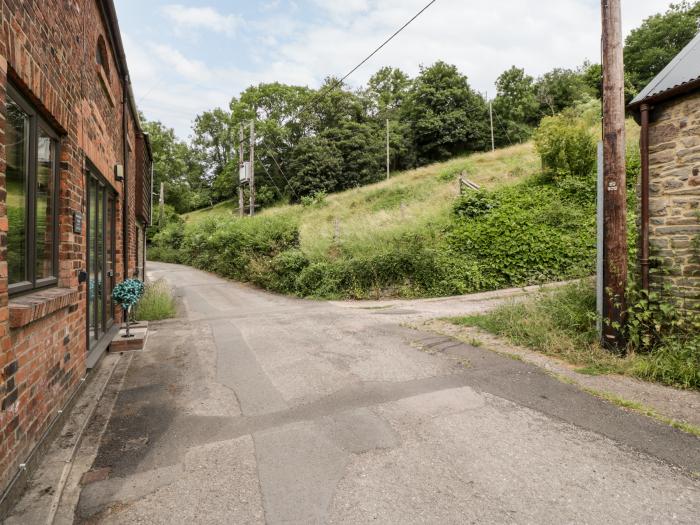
x=127, y=293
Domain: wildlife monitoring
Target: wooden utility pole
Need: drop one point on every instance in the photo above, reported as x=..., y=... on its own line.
x=615, y=192
x=493, y=140
x=251, y=183
x=161, y=204
x=241, y=166
x=388, y=152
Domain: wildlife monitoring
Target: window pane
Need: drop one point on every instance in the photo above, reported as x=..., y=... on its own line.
x=17, y=155
x=45, y=182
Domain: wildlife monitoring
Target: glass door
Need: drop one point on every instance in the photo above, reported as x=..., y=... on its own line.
x=100, y=258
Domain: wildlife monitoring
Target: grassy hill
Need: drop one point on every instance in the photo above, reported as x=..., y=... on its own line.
x=412, y=235
x=416, y=200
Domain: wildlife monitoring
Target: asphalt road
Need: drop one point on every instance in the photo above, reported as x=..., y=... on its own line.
x=256, y=408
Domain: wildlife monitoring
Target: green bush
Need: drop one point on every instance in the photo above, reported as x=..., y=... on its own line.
x=566, y=147
x=532, y=234
x=170, y=217
x=474, y=204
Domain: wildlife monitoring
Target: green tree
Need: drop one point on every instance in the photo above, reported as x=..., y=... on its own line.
x=316, y=165
x=560, y=89
x=446, y=116
x=175, y=164
x=515, y=107
x=385, y=92
x=361, y=147
x=650, y=47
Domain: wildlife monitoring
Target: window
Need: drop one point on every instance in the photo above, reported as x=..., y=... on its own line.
x=101, y=56
x=31, y=181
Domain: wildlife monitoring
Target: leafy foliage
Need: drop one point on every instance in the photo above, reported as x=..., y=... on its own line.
x=128, y=292
x=649, y=48
x=445, y=114
x=566, y=147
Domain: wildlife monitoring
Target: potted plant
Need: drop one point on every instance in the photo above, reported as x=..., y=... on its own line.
x=127, y=293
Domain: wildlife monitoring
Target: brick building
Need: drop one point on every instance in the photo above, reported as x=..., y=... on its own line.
x=668, y=110
x=74, y=204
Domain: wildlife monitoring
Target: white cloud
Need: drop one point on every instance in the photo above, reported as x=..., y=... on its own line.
x=343, y=7
x=482, y=39
x=194, y=70
x=195, y=18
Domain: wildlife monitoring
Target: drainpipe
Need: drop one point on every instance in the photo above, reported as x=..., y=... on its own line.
x=644, y=151
x=125, y=190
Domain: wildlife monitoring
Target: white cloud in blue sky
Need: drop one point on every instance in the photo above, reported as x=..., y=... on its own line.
x=187, y=56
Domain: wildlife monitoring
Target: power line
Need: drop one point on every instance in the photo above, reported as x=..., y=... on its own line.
x=325, y=91
x=269, y=176
x=504, y=128
x=289, y=185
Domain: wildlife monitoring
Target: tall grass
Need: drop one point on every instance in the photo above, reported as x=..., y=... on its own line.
x=157, y=303
x=561, y=323
x=358, y=221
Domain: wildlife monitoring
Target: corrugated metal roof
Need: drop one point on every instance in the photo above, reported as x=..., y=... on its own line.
x=683, y=69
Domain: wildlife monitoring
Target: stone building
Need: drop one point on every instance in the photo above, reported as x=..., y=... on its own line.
x=74, y=200
x=668, y=110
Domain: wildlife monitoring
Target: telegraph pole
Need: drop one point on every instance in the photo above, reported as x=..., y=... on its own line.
x=615, y=192
x=251, y=183
x=493, y=140
x=161, y=204
x=388, y=152
x=241, y=166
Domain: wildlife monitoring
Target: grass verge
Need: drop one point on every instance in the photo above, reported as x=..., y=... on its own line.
x=645, y=410
x=157, y=303
x=561, y=323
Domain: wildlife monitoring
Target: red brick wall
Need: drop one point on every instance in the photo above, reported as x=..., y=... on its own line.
x=47, y=50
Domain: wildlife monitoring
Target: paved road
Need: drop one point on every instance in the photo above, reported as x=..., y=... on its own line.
x=257, y=408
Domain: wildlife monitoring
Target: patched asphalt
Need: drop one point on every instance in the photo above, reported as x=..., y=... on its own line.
x=257, y=408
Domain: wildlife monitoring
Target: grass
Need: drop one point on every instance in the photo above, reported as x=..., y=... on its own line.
x=416, y=200
x=561, y=323
x=157, y=303
x=645, y=410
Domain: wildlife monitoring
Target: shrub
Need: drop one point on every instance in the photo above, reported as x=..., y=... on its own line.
x=474, y=204
x=534, y=234
x=566, y=147
x=170, y=217
x=317, y=200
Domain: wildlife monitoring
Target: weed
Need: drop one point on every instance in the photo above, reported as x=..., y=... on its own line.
x=157, y=303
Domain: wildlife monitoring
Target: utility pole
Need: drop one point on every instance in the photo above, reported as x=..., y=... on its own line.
x=615, y=193
x=241, y=166
x=161, y=204
x=388, y=152
x=493, y=140
x=251, y=183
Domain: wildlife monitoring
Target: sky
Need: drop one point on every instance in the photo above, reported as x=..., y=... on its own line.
x=189, y=56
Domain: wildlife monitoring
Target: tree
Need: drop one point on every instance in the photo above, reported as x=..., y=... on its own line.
x=650, y=47
x=361, y=148
x=316, y=165
x=213, y=138
x=386, y=90
x=560, y=89
x=515, y=107
x=175, y=164
x=446, y=116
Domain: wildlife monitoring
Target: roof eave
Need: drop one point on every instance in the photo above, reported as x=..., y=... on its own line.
x=666, y=95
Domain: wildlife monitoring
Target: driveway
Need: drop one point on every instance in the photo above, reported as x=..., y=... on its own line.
x=256, y=408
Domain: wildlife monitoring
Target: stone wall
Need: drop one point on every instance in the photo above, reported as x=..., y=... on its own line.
x=674, y=170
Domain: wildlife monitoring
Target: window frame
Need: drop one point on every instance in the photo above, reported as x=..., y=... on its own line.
x=36, y=124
